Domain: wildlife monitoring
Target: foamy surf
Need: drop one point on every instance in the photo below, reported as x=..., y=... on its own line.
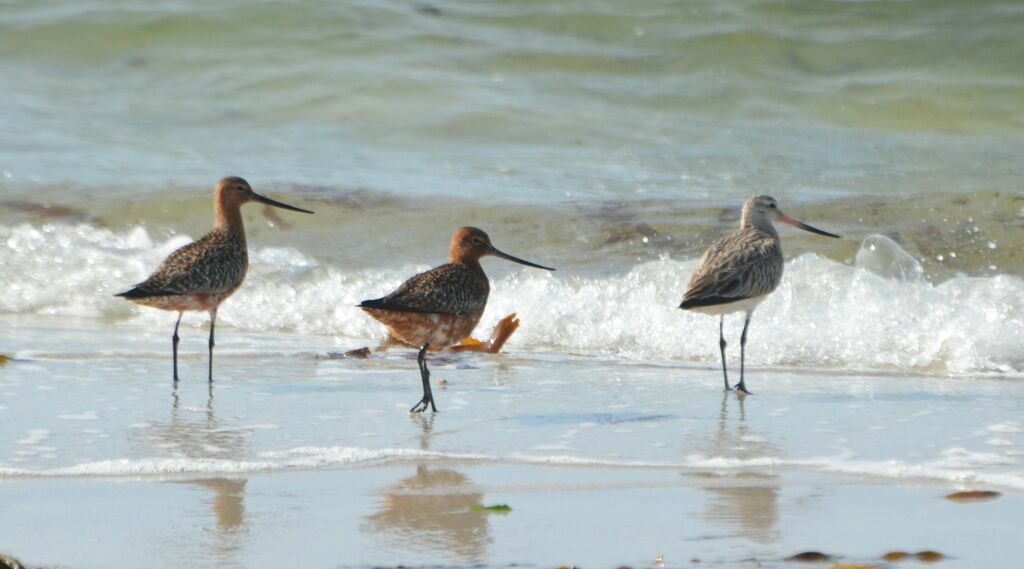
x=880, y=312
x=956, y=465
x=941, y=470
x=300, y=458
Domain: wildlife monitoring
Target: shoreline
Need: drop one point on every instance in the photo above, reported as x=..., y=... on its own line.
x=318, y=461
x=422, y=514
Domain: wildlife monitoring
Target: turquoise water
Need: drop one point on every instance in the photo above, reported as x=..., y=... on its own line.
x=514, y=101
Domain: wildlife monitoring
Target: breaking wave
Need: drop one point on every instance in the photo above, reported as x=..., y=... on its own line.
x=878, y=312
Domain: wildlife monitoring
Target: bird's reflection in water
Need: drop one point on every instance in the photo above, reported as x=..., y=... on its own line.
x=431, y=511
x=228, y=503
x=749, y=501
x=195, y=433
x=502, y=373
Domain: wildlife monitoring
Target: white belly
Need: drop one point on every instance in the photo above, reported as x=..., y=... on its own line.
x=745, y=305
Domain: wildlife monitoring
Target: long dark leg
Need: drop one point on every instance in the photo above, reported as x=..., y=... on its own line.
x=174, y=347
x=721, y=346
x=743, y=348
x=428, y=396
x=213, y=324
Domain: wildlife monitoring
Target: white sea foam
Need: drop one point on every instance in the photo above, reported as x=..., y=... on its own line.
x=950, y=467
x=898, y=469
x=1012, y=428
x=34, y=437
x=86, y=416
x=305, y=458
x=881, y=314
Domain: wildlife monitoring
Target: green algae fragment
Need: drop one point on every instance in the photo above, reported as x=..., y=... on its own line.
x=503, y=508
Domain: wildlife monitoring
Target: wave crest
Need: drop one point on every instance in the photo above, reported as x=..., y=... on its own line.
x=823, y=314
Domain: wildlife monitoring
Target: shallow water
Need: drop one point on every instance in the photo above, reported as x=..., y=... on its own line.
x=279, y=404
x=288, y=449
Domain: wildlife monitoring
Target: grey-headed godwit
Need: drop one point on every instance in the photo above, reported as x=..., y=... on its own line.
x=440, y=307
x=201, y=275
x=738, y=272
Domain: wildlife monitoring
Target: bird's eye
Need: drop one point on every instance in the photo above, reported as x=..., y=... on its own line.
x=771, y=206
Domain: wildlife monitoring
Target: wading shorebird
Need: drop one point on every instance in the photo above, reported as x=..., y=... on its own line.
x=738, y=272
x=440, y=307
x=201, y=275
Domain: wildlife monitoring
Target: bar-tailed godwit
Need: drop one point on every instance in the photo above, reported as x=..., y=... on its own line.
x=738, y=272
x=201, y=275
x=440, y=307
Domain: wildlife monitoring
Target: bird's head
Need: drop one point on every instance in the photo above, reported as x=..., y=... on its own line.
x=233, y=192
x=469, y=244
x=762, y=211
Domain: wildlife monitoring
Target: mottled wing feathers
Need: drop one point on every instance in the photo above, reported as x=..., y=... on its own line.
x=214, y=264
x=744, y=265
x=453, y=288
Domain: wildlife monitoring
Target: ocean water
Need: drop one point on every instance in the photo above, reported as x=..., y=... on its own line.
x=614, y=141
x=521, y=100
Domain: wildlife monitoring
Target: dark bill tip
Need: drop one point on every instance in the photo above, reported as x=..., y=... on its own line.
x=801, y=225
x=508, y=257
x=275, y=203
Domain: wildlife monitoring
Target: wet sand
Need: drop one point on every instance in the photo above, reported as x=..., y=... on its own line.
x=418, y=514
x=312, y=462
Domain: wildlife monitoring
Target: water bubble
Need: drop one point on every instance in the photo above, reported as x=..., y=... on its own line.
x=886, y=258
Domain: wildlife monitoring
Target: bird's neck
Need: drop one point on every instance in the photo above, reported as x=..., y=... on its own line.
x=459, y=256
x=470, y=263
x=758, y=222
x=227, y=218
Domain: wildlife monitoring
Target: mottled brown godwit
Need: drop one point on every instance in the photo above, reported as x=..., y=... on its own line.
x=440, y=307
x=201, y=275
x=738, y=272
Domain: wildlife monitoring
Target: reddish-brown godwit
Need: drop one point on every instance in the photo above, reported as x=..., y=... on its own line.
x=201, y=275
x=440, y=307
x=738, y=272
